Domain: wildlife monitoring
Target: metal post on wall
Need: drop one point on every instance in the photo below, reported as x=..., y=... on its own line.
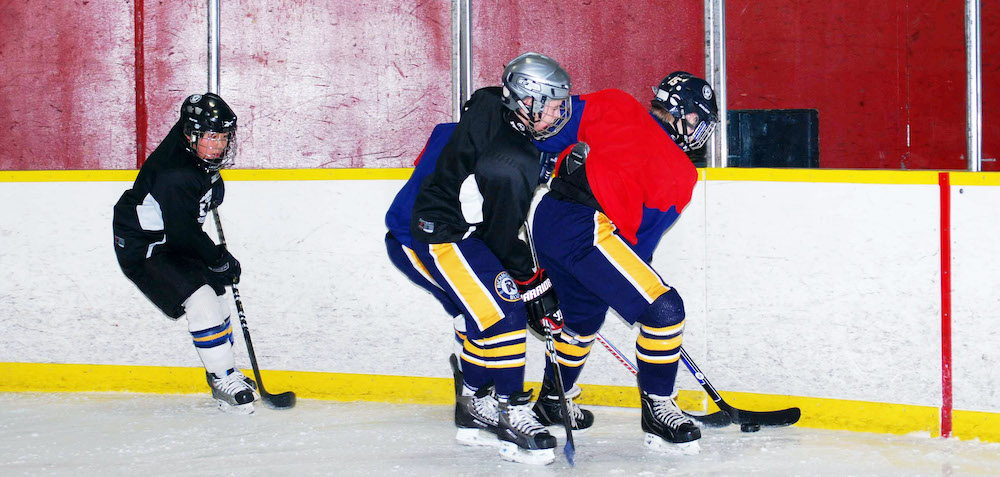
x=974, y=86
x=461, y=16
x=715, y=74
x=213, y=46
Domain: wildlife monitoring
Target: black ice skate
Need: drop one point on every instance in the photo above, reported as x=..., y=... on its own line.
x=549, y=411
x=667, y=428
x=476, y=418
x=456, y=371
x=523, y=438
x=234, y=392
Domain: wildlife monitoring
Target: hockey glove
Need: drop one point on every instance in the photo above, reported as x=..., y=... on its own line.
x=226, y=267
x=541, y=303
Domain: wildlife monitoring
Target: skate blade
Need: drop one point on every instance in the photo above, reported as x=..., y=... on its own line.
x=511, y=452
x=476, y=437
x=658, y=444
x=239, y=409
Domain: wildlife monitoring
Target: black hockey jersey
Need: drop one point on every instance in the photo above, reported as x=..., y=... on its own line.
x=482, y=184
x=165, y=209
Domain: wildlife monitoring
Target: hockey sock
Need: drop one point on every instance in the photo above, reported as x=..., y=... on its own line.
x=497, y=358
x=572, y=353
x=657, y=351
x=211, y=331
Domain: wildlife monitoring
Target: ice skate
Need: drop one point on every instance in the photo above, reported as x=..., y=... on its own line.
x=234, y=392
x=523, y=438
x=549, y=411
x=476, y=418
x=456, y=371
x=667, y=428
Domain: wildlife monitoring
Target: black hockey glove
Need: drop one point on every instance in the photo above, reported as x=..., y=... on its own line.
x=226, y=267
x=541, y=303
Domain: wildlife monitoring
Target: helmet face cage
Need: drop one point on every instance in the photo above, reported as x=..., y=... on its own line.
x=540, y=78
x=681, y=93
x=207, y=114
x=225, y=159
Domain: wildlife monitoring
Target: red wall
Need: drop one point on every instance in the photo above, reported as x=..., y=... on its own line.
x=629, y=45
x=888, y=78
x=360, y=84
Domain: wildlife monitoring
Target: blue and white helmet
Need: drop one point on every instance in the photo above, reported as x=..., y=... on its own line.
x=681, y=93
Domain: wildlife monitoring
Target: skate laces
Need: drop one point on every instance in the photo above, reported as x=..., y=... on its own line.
x=232, y=383
x=667, y=412
x=523, y=419
x=486, y=407
x=574, y=409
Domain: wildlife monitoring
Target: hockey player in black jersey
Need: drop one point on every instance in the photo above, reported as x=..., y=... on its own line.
x=464, y=227
x=163, y=249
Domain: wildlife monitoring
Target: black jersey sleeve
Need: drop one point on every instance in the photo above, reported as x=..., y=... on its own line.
x=507, y=178
x=482, y=185
x=184, y=204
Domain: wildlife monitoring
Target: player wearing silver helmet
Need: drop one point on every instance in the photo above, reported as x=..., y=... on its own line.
x=458, y=218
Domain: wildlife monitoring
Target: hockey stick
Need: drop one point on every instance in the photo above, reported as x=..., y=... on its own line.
x=749, y=421
x=550, y=350
x=285, y=400
x=716, y=419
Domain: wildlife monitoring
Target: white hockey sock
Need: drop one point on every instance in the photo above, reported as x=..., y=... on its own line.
x=211, y=331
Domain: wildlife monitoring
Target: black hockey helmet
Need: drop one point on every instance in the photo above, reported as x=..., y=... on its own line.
x=681, y=93
x=207, y=121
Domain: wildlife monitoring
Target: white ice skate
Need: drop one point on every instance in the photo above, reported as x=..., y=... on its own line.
x=234, y=392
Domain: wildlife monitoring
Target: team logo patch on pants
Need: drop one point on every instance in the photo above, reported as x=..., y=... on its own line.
x=506, y=288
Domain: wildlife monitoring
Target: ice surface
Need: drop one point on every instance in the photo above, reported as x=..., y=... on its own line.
x=135, y=434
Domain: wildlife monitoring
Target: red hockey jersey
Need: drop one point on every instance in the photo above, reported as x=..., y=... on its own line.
x=632, y=161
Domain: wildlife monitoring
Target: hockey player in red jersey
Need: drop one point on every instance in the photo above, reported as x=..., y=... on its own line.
x=621, y=180
x=162, y=248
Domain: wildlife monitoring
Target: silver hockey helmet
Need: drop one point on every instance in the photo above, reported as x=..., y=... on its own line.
x=681, y=93
x=210, y=129
x=536, y=76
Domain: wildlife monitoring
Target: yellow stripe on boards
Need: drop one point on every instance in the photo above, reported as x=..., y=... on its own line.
x=471, y=291
x=627, y=262
x=820, y=413
x=862, y=176
x=855, y=176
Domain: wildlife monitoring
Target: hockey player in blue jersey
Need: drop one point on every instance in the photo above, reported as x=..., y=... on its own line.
x=453, y=230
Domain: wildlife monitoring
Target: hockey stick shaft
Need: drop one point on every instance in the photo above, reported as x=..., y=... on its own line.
x=550, y=350
x=274, y=401
x=727, y=414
